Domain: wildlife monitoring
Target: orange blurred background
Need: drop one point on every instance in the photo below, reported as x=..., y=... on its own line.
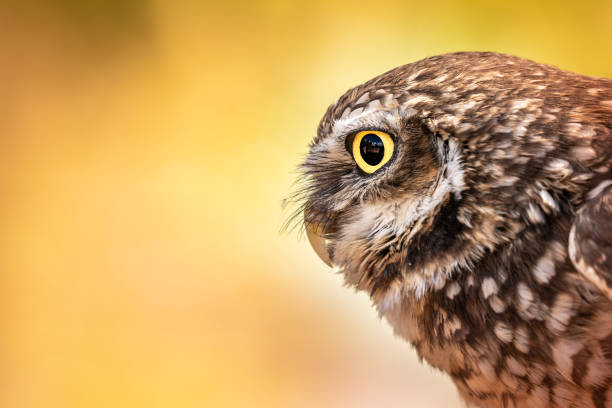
x=145, y=151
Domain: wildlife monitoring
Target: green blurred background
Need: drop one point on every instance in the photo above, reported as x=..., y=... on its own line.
x=145, y=151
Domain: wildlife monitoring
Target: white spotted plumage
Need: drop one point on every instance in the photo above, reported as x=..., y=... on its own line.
x=486, y=240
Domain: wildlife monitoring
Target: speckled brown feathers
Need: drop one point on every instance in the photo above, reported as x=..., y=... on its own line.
x=591, y=238
x=486, y=240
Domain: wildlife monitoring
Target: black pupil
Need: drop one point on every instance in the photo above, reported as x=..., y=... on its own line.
x=372, y=149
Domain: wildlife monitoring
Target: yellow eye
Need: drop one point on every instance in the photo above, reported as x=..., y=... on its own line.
x=372, y=149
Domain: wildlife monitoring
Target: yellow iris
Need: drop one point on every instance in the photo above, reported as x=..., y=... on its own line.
x=372, y=149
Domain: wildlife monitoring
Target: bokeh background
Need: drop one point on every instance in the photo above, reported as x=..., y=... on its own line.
x=145, y=148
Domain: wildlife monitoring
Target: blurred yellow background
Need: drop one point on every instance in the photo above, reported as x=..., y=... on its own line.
x=145, y=150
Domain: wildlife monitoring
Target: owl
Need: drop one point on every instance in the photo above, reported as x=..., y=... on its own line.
x=470, y=196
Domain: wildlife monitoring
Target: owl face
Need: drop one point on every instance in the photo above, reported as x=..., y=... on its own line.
x=378, y=178
x=419, y=172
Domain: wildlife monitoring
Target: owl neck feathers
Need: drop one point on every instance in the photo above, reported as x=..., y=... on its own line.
x=429, y=230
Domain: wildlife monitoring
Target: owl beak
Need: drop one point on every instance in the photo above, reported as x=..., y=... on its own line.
x=315, y=232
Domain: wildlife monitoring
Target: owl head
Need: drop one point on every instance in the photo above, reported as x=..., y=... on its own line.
x=416, y=174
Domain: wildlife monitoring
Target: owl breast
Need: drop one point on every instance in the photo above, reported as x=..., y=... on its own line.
x=526, y=342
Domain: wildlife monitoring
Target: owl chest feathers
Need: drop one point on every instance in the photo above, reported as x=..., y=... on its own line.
x=514, y=330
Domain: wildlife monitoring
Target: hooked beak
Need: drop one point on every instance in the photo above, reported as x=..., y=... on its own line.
x=315, y=233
